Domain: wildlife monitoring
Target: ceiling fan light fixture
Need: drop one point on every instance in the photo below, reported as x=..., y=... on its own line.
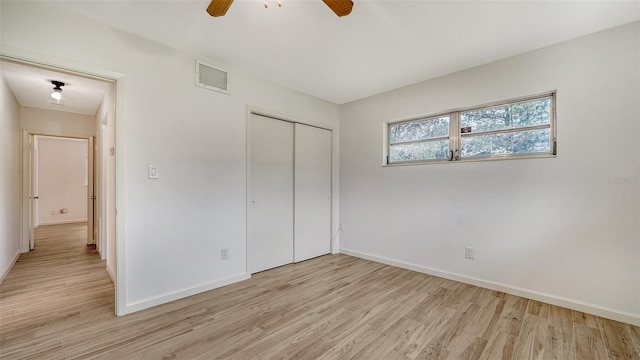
x=340, y=7
x=266, y=4
x=56, y=95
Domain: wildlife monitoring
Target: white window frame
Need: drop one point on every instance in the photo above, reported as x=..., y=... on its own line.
x=422, y=118
x=455, y=133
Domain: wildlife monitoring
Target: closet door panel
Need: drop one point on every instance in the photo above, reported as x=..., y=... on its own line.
x=269, y=194
x=312, y=192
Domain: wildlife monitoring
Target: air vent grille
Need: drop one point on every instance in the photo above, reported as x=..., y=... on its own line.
x=212, y=78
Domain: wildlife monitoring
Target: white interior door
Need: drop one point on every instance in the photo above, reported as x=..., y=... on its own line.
x=35, y=214
x=33, y=196
x=269, y=194
x=91, y=197
x=312, y=231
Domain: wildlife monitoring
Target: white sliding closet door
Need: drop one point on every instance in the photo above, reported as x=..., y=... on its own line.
x=312, y=189
x=269, y=194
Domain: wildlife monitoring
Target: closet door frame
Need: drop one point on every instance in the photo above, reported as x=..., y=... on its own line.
x=335, y=227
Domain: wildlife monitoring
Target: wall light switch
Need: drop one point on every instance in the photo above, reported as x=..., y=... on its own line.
x=153, y=172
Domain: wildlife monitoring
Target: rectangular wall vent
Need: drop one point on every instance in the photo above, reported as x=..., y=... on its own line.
x=212, y=78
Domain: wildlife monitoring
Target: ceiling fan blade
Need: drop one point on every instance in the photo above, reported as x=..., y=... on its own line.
x=219, y=7
x=340, y=7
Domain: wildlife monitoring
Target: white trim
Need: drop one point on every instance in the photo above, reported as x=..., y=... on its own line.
x=13, y=262
x=25, y=187
x=119, y=79
x=27, y=134
x=60, y=222
x=71, y=136
x=119, y=206
x=38, y=59
x=292, y=119
x=172, y=296
x=572, y=304
x=111, y=275
x=475, y=159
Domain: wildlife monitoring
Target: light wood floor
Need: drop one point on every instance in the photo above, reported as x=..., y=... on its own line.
x=57, y=303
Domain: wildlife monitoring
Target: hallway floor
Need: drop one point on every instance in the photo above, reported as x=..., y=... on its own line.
x=59, y=286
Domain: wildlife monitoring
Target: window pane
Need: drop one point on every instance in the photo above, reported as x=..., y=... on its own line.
x=428, y=150
x=419, y=130
x=517, y=142
x=527, y=113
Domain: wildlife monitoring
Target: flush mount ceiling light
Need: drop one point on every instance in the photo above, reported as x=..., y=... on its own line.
x=56, y=94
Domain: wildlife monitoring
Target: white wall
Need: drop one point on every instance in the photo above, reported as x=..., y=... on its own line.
x=172, y=228
x=56, y=122
x=62, y=171
x=105, y=180
x=9, y=179
x=560, y=229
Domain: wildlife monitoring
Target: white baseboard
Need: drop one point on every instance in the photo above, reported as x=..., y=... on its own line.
x=111, y=274
x=163, y=299
x=13, y=262
x=71, y=221
x=572, y=304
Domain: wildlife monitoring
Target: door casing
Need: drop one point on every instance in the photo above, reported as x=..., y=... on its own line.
x=29, y=173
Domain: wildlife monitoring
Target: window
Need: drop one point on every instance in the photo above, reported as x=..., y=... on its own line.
x=511, y=129
x=425, y=139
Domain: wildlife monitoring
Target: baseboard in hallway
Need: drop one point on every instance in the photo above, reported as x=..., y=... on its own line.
x=11, y=264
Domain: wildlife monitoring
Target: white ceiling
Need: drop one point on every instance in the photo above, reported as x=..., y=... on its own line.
x=32, y=86
x=381, y=46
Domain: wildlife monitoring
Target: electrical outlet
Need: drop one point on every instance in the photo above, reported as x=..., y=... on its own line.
x=468, y=252
x=153, y=172
x=224, y=254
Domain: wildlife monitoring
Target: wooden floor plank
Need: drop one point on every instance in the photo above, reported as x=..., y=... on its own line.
x=634, y=334
x=559, y=344
x=58, y=303
x=380, y=346
x=500, y=345
x=589, y=344
x=416, y=340
x=617, y=340
x=525, y=348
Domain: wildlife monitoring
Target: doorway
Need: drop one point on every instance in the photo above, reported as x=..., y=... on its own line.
x=87, y=114
x=62, y=183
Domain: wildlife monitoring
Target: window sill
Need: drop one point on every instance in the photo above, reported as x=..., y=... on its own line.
x=486, y=158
